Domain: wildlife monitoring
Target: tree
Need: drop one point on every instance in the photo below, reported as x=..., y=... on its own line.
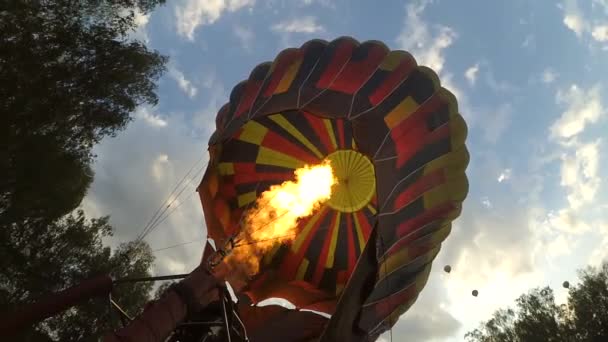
x=70, y=73
x=38, y=257
x=538, y=318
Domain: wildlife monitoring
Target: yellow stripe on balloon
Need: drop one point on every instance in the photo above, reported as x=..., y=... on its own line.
x=246, y=198
x=297, y=244
x=288, y=77
x=334, y=240
x=401, y=112
x=253, y=132
x=302, y=269
x=268, y=156
x=330, y=132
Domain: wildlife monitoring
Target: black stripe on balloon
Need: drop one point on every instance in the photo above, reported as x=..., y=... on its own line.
x=440, y=117
x=313, y=52
x=329, y=280
x=298, y=119
x=260, y=186
x=390, y=223
x=401, y=279
x=341, y=252
x=237, y=151
x=390, y=184
x=361, y=102
x=418, y=233
x=353, y=228
x=426, y=154
x=348, y=134
x=264, y=168
x=330, y=104
x=369, y=131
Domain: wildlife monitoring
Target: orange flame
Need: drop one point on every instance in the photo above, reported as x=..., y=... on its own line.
x=274, y=218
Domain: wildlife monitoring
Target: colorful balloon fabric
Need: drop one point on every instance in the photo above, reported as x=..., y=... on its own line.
x=397, y=145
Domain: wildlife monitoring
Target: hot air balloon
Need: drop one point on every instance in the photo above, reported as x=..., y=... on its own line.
x=475, y=293
x=447, y=268
x=566, y=284
x=396, y=143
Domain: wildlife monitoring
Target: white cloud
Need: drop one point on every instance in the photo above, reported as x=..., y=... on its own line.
x=307, y=24
x=245, y=35
x=549, y=75
x=184, y=84
x=600, y=33
x=471, y=73
x=573, y=17
x=194, y=13
x=567, y=221
x=151, y=119
x=134, y=175
x=504, y=175
x=583, y=106
x=427, y=44
x=580, y=174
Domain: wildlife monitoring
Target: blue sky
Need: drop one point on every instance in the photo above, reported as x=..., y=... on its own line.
x=530, y=80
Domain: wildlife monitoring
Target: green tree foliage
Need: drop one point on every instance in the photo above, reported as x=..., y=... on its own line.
x=70, y=74
x=37, y=258
x=538, y=318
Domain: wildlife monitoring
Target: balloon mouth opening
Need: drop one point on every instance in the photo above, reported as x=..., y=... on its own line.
x=356, y=178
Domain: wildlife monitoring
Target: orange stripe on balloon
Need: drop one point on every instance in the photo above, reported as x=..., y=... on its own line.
x=392, y=80
x=278, y=143
x=341, y=55
x=419, y=187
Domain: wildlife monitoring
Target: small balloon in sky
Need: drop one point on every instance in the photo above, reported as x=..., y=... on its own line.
x=566, y=284
x=475, y=293
x=447, y=268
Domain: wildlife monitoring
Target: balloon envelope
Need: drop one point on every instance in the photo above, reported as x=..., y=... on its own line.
x=390, y=129
x=447, y=268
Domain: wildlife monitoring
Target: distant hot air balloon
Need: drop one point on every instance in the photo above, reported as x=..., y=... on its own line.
x=447, y=268
x=396, y=143
x=566, y=284
x=475, y=293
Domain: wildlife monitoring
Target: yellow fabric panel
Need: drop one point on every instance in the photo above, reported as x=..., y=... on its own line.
x=372, y=209
x=402, y=111
x=297, y=244
x=402, y=258
x=454, y=162
x=289, y=76
x=267, y=156
x=359, y=231
x=454, y=189
x=246, y=198
x=392, y=60
x=458, y=129
x=334, y=240
x=270, y=255
x=286, y=125
x=226, y=168
x=253, y=132
x=339, y=289
x=302, y=269
x=330, y=132
x=213, y=184
x=356, y=180
x=420, y=282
